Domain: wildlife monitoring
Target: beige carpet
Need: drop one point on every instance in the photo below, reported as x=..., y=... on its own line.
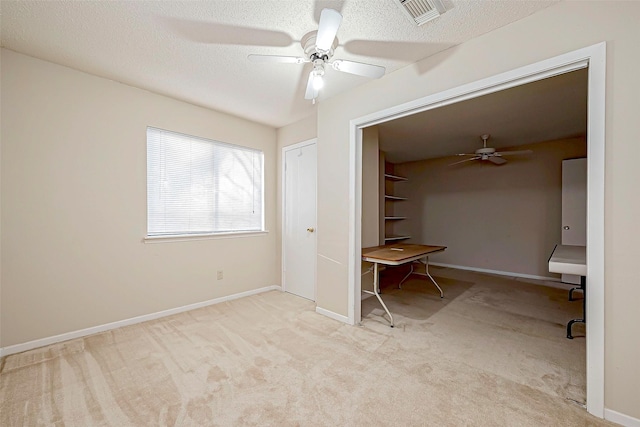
x=493, y=352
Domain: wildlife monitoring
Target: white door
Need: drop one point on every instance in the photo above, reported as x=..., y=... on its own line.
x=299, y=223
x=574, y=207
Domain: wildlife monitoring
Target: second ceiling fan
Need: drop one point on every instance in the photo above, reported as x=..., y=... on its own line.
x=319, y=47
x=490, y=154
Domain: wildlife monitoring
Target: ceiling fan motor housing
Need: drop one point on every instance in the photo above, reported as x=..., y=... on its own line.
x=486, y=151
x=308, y=43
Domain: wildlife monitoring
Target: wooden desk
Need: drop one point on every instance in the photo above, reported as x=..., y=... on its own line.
x=567, y=259
x=398, y=254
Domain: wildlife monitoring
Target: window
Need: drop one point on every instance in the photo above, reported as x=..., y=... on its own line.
x=199, y=186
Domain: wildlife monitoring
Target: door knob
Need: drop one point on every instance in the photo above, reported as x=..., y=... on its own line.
x=566, y=227
x=311, y=229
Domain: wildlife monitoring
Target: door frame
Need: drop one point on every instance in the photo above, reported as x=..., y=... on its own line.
x=594, y=59
x=283, y=185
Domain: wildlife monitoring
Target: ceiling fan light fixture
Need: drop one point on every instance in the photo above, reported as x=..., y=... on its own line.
x=319, y=46
x=318, y=81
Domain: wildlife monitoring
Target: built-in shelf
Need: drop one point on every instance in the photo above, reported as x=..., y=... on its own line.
x=390, y=218
x=394, y=198
x=394, y=177
x=396, y=238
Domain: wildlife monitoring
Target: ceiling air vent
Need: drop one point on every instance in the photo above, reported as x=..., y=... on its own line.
x=421, y=11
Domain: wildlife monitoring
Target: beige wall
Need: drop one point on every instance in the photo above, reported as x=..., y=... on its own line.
x=556, y=30
x=504, y=218
x=74, y=205
x=370, y=235
x=370, y=188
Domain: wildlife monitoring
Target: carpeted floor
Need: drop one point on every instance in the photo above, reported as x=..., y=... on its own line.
x=493, y=352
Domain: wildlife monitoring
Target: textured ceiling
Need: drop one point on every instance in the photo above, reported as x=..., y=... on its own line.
x=196, y=51
x=549, y=109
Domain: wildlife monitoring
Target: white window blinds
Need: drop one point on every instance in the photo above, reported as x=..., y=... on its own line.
x=199, y=186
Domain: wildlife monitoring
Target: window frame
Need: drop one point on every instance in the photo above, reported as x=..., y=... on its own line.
x=177, y=237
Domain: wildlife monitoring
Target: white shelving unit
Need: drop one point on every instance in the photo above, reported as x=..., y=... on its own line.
x=391, y=177
x=394, y=198
x=393, y=238
x=389, y=237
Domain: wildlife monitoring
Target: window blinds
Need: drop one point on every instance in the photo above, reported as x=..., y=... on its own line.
x=199, y=186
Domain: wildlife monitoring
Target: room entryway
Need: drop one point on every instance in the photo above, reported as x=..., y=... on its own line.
x=592, y=58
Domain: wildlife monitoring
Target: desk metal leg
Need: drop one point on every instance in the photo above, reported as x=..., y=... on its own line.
x=426, y=269
x=406, y=277
x=376, y=291
x=426, y=274
x=583, y=286
x=579, y=288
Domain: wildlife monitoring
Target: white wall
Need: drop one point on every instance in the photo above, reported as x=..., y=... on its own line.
x=503, y=218
x=74, y=205
x=562, y=28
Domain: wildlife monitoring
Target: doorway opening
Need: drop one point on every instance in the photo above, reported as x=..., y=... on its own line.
x=592, y=58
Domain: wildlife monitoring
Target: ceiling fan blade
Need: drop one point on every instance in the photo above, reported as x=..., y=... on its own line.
x=320, y=5
x=330, y=21
x=310, y=93
x=465, y=160
x=359, y=68
x=277, y=58
x=465, y=154
x=512, y=153
x=497, y=160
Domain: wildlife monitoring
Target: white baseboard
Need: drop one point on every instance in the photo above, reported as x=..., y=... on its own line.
x=622, y=419
x=331, y=314
x=19, y=348
x=554, y=281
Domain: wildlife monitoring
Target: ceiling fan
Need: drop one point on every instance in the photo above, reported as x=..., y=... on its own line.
x=318, y=49
x=490, y=154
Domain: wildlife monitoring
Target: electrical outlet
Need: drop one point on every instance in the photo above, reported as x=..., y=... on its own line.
x=220, y=275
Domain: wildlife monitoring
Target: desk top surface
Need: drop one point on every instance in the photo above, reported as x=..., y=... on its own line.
x=569, y=254
x=398, y=252
x=569, y=259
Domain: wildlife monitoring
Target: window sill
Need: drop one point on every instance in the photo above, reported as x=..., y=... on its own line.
x=190, y=237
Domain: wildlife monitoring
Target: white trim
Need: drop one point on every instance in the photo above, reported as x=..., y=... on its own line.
x=334, y=316
x=497, y=272
x=595, y=339
x=312, y=141
x=354, y=301
x=299, y=144
x=593, y=57
x=189, y=237
x=622, y=419
x=18, y=348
